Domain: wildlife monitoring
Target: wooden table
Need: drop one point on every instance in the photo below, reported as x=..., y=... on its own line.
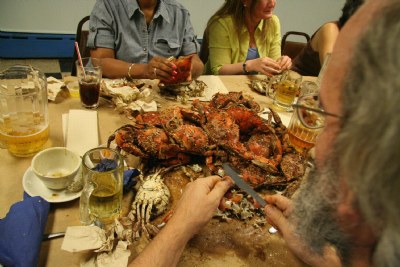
x=66, y=214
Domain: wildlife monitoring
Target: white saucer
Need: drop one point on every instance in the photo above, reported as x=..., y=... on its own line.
x=35, y=187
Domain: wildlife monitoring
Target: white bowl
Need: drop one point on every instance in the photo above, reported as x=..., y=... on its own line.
x=56, y=167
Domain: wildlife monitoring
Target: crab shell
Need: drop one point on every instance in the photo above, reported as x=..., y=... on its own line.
x=183, y=69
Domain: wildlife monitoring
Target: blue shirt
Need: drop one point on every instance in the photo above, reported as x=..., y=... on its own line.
x=121, y=25
x=252, y=53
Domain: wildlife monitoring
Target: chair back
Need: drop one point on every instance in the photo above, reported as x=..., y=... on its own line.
x=81, y=37
x=293, y=48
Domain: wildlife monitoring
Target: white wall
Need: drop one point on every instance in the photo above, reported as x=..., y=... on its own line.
x=43, y=16
x=62, y=16
x=307, y=15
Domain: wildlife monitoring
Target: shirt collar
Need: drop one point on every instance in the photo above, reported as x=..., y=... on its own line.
x=259, y=26
x=133, y=6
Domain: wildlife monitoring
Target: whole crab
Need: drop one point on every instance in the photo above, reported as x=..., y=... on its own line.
x=234, y=99
x=189, y=138
x=152, y=199
x=231, y=126
x=148, y=142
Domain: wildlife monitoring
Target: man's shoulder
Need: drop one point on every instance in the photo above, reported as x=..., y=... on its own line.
x=114, y=4
x=175, y=5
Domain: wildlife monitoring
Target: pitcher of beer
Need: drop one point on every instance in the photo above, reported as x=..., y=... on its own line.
x=24, y=118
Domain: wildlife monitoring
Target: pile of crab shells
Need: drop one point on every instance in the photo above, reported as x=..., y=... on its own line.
x=226, y=129
x=182, y=92
x=265, y=86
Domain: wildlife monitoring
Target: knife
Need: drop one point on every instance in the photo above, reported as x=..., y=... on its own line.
x=247, y=188
x=242, y=184
x=51, y=236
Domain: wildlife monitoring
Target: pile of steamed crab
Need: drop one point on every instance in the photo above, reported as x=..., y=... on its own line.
x=226, y=129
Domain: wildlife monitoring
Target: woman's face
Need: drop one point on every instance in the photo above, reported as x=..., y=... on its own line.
x=263, y=9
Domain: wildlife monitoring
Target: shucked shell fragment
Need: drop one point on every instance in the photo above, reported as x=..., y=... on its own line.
x=182, y=92
x=265, y=86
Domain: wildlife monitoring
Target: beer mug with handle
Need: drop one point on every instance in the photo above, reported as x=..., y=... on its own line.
x=24, y=119
x=101, y=199
x=286, y=90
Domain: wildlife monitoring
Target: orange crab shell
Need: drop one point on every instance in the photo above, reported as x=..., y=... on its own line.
x=183, y=69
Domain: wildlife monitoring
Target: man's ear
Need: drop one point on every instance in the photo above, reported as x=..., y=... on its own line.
x=351, y=219
x=346, y=210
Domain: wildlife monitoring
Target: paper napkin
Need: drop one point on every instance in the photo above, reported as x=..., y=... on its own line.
x=214, y=85
x=81, y=128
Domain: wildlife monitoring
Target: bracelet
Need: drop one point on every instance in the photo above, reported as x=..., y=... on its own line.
x=129, y=70
x=244, y=68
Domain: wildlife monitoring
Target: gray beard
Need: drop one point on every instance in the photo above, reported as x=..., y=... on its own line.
x=314, y=213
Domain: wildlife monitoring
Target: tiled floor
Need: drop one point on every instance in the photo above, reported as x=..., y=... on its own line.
x=58, y=68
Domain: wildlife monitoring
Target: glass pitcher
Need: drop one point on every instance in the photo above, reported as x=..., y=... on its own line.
x=24, y=118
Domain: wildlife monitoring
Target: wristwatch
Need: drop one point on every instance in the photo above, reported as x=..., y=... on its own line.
x=244, y=68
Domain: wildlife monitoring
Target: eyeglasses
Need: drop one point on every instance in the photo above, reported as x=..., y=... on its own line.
x=309, y=113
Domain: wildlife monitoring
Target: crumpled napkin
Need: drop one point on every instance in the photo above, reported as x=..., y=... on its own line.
x=53, y=88
x=118, y=258
x=21, y=232
x=83, y=238
x=128, y=98
x=93, y=238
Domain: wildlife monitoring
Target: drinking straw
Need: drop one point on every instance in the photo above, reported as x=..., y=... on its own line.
x=80, y=58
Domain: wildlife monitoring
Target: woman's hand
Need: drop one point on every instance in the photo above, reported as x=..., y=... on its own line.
x=160, y=68
x=284, y=62
x=264, y=65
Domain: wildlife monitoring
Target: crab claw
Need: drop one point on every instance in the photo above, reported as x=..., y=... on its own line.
x=265, y=164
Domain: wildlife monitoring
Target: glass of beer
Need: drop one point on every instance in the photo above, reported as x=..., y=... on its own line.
x=308, y=114
x=24, y=119
x=308, y=87
x=286, y=90
x=89, y=79
x=101, y=199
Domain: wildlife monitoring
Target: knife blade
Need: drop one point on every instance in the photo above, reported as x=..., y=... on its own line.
x=242, y=184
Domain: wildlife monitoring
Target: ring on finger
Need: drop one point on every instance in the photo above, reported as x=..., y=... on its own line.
x=155, y=71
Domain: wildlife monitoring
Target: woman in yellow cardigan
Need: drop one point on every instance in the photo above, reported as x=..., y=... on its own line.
x=244, y=38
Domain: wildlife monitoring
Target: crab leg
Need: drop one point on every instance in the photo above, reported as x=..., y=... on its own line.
x=148, y=213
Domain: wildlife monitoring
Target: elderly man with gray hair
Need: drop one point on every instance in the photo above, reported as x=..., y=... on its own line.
x=347, y=212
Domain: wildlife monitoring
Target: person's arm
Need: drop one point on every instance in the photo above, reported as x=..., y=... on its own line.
x=190, y=46
x=220, y=50
x=115, y=68
x=274, y=38
x=196, y=207
x=277, y=212
x=197, y=66
x=325, y=39
x=275, y=45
